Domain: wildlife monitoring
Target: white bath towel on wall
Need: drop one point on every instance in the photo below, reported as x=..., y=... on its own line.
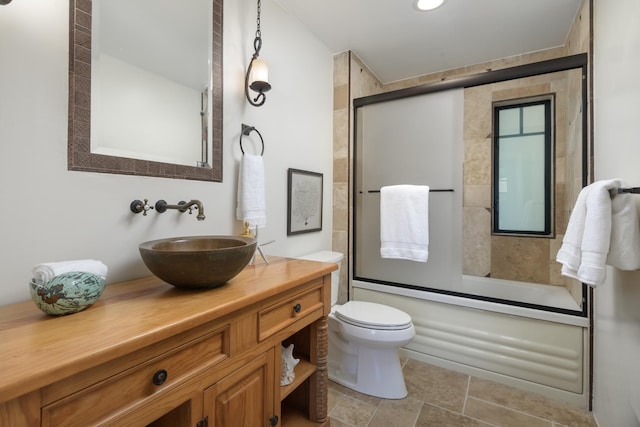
x=624, y=250
x=600, y=231
x=404, y=222
x=597, y=233
x=570, y=254
x=251, y=207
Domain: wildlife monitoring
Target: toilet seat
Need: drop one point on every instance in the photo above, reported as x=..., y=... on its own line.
x=373, y=316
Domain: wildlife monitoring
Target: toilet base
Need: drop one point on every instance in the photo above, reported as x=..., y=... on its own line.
x=376, y=372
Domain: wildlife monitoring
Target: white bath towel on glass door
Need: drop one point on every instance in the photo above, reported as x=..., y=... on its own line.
x=404, y=222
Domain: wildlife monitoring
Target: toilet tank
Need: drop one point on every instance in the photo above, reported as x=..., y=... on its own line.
x=329, y=256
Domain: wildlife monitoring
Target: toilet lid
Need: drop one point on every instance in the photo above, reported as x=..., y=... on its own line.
x=372, y=315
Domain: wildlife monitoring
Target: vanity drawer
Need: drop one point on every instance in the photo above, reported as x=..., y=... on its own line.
x=288, y=311
x=132, y=387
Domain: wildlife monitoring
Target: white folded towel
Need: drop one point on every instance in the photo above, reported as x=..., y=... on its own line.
x=600, y=231
x=570, y=253
x=597, y=233
x=251, y=191
x=44, y=272
x=624, y=250
x=404, y=222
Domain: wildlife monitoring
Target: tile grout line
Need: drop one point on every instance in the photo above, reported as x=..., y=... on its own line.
x=515, y=410
x=458, y=413
x=417, y=417
x=373, y=415
x=466, y=395
x=464, y=405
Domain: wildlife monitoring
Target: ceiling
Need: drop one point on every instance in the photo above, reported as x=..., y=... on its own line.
x=397, y=42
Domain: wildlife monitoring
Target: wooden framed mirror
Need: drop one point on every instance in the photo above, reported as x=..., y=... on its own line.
x=80, y=155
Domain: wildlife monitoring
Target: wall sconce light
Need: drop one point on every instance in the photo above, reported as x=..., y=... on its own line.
x=3, y=2
x=257, y=78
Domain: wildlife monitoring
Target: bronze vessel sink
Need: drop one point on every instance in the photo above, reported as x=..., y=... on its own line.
x=198, y=261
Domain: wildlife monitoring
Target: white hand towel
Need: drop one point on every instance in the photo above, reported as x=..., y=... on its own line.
x=624, y=250
x=44, y=272
x=569, y=254
x=601, y=231
x=597, y=233
x=251, y=191
x=404, y=222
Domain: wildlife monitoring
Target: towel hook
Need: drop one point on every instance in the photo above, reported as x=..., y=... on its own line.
x=246, y=130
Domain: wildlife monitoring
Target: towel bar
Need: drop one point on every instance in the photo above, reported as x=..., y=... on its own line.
x=246, y=130
x=633, y=190
x=431, y=190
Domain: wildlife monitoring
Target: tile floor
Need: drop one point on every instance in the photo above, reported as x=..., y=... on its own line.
x=444, y=398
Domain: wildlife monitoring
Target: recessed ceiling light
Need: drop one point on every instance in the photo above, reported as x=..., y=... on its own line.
x=428, y=4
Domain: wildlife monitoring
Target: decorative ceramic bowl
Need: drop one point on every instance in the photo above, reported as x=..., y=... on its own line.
x=67, y=293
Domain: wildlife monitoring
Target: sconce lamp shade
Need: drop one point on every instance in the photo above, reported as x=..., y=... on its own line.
x=259, y=78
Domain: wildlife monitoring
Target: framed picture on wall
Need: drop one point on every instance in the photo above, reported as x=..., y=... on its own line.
x=304, y=201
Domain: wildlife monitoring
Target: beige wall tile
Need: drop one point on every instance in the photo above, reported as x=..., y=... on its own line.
x=560, y=209
x=477, y=196
x=555, y=278
x=476, y=231
x=341, y=134
x=477, y=113
x=341, y=69
x=340, y=206
x=340, y=171
x=520, y=258
x=477, y=162
x=340, y=97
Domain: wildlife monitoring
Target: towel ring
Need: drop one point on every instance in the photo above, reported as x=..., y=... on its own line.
x=246, y=130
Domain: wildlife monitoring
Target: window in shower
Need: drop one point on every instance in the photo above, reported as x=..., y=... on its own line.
x=523, y=167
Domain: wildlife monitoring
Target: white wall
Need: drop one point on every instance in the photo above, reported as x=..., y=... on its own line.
x=617, y=154
x=51, y=214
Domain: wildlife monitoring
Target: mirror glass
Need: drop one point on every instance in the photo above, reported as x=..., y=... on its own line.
x=146, y=88
x=150, y=73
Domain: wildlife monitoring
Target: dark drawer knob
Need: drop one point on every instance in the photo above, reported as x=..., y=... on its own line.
x=297, y=308
x=160, y=377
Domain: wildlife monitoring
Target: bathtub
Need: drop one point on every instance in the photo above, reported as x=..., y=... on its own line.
x=532, y=349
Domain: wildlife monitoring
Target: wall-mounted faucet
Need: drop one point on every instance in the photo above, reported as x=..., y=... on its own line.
x=182, y=206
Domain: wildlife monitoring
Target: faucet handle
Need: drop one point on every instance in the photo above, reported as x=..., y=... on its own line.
x=137, y=206
x=190, y=208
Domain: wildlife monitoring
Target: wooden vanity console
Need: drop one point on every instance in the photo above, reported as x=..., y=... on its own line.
x=149, y=354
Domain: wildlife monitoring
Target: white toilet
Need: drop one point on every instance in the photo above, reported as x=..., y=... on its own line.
x=364, y=339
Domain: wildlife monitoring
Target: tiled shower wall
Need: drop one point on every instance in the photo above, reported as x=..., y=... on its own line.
x=527, y=259
x=352, y=79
